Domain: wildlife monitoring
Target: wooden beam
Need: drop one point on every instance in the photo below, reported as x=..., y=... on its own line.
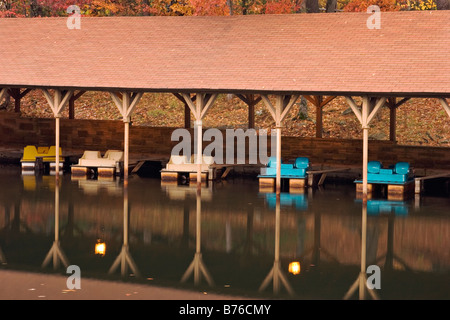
x=379, y=103
x=187, y=110
x=18, y=95
x=354, y=107
x=327, y=100
x=269, y=106
x=289, y=102
x=190, y=103
x=310, y=99
x=3, y=92
x=319, y=102
x=58, y=101
x=210, y=99
x=251, y=102
x=72, y=103
x=392, y=119
x=445, y=105
x=126, y=102
x=398, y=104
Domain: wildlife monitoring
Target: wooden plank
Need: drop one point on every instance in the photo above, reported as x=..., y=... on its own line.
x=106, y=172
x=327, y=171
x=169, y=176
x=79, y=171
x=193, y=176
x=226, y=172
x=359, y=187
x=137, y=167
x=297, y=184
x=266, y=182
x=434, y=176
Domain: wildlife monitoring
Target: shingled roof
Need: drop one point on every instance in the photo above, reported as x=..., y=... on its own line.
x=332, y=53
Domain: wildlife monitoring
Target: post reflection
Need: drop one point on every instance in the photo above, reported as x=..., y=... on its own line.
x=56, y=253
x=361, y=281
x=124, y=259
x=197, y=267
x=276, y=273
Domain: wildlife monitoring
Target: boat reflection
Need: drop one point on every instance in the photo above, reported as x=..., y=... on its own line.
x=296, y=200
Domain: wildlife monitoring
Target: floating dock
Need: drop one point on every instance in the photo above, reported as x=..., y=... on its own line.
x=398, y=180
x=110, y=164
x=40, y=158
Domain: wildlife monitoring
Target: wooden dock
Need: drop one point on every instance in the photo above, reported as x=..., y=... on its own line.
x=418, y=181
x=313, y=178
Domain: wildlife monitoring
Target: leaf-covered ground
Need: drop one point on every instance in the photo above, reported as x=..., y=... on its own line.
x=419, y=121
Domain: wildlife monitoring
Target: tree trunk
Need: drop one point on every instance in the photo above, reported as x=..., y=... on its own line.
x=331, y=5
x=443, y=4
x=230, y=6
x=312, y=6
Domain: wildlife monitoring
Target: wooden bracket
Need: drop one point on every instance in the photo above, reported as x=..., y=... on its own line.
x=282, y=107
x=126, y=102
x=445, y=105
x=202, y=103
x=58, y=101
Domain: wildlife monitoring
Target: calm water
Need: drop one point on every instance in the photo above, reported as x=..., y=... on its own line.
x=235, y=236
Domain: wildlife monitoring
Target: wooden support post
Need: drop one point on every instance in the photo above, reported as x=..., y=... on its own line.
x=319, y=102
x=17, y=95
x=369, y=110
x=392, y=120
x=279, y=112
x=72, y=103
x=187, y=116
x=57, y=104
x=319, y=120
x=126, y=102
x=187, y=109
x=251, y=101
x=202, y=104
x=393, y=105
x=365, y=128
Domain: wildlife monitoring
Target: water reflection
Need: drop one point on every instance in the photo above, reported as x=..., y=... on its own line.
x=361, y=282
x=230, y=236
x=197, y=267
x=276, y=274
x=124, y=259
x=56, y=253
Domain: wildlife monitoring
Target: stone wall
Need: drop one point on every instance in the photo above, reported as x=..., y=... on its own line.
x=79, y=135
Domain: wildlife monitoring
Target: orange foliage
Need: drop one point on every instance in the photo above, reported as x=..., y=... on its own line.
x=385, y=5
